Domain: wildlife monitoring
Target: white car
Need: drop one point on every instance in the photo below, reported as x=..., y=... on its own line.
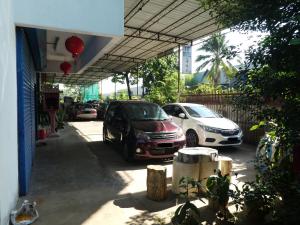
x=204, y=126
x=86, y=111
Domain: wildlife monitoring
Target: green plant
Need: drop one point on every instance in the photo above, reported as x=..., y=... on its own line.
x=218, y=188
x=259, y=198
x=209, y=89
x=187, y=213
x=60, y=117
x=189, y=187
x=219, y=192
x=270, y=83
x=44, y=120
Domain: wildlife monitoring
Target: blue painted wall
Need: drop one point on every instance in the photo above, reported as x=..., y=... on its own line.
x=26, y=80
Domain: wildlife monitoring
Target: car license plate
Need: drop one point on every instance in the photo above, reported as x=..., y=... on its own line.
x=160, y=151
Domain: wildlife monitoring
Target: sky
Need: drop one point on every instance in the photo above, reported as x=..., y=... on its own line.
x=242, y=40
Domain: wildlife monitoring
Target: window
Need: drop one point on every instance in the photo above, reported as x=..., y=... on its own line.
x=177, y=111
x=169, y=109
x=145, y=111
x=111, y=112
x=201, y=111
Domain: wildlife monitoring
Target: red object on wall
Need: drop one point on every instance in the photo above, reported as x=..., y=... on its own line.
x=65, y=67
x=74, y=45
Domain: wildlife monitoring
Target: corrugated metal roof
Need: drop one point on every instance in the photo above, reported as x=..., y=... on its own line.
x=151, y=28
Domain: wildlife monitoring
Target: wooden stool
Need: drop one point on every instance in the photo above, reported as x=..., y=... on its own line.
x=156, y=182
x=197, y=163
x=225, y=165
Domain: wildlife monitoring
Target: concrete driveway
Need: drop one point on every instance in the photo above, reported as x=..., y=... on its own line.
x=78, y=180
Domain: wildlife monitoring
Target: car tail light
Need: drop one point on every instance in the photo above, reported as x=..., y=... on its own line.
x=94, y=111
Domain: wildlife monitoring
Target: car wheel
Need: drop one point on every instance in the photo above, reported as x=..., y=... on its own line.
x=192, y=139
x=127, y=153
x=105, y=141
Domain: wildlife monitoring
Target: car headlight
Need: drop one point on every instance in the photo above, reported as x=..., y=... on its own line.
x=210, y=129
x=141, y=135
x=179, y=133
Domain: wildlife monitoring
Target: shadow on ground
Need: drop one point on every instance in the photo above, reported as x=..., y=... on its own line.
x=68, y=182
x=77, y=182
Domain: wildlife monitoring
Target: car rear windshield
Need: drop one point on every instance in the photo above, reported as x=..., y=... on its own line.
x=87, y=106
x=201, y=111
x=145, y=111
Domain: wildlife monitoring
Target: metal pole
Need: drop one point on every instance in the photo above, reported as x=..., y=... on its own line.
x=137, y=81
x=101, y=90
x=115, y=90
x=178, y=79
x=143, y=89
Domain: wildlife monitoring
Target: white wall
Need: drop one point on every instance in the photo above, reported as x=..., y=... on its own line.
x=96, y=17
x=8, y=113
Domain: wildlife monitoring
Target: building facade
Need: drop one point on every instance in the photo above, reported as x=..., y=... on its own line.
x=25, y=27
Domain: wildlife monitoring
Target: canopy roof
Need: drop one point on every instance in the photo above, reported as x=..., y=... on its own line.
x=152, y=28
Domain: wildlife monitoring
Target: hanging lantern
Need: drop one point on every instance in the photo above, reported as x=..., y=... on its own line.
x=74, y=45
x=65, y=67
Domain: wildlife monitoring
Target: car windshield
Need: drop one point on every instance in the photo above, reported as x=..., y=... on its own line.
x=201, y=111
x=85, y=106
x=145, y=111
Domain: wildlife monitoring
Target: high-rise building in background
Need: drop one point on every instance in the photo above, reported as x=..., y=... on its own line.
x=186, y=62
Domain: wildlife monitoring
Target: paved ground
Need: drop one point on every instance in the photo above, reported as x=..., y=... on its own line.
x=77, y=180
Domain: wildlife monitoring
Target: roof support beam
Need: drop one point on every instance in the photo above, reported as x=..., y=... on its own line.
x=154, y=39
x=129, y=59
x=97, y=69
x=155, y=36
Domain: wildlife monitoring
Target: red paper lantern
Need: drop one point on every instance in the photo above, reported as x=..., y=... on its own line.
x=65, y=67
x=74, y=45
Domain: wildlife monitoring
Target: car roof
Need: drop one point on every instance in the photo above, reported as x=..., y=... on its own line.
x=184, y=104
x=131, y=101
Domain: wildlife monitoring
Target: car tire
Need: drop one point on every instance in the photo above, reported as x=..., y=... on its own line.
x=192, y=139
x=104, y=135
x=127, y=153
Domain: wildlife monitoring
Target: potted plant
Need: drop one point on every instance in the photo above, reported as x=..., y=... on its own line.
x=187, y=213
x=43, y=125
x=218, y=194
x=259, y=200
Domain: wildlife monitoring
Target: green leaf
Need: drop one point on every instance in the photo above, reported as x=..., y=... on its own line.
x=295, y=41
x=254, y=127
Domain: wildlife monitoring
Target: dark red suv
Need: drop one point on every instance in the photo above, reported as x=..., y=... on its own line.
x=143, y=130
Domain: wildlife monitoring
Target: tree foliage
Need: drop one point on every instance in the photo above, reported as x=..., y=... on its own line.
x=273, y=68
x=271, y=88
x=72, y=91
x=122, y=77
x=159, y=78
x=217, y=58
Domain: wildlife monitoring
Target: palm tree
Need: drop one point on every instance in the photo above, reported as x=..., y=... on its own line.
x=217, y=58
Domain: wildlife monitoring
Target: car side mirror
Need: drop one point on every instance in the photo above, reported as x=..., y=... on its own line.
x=181, y=115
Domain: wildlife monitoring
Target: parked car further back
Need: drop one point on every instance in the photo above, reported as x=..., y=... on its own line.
x=85, y=111
x=203, y=126
x=142, y=129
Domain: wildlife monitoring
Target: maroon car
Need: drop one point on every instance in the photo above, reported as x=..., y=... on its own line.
x=142, y=129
